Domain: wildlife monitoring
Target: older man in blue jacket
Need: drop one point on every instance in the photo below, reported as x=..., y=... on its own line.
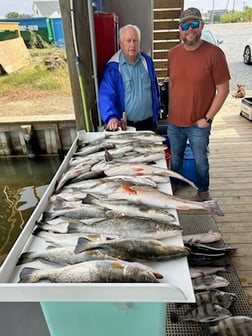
x=129, y=84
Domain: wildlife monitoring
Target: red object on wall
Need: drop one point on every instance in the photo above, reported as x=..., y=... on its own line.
x=106, y=36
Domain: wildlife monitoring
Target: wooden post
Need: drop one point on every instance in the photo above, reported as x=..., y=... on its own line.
x=84, y=70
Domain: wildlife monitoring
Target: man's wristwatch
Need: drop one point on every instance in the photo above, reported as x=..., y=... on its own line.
x=208, y=120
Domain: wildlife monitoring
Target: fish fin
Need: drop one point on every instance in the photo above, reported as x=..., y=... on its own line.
x=37, y=231
x=213, y=206
x=117, y=264
x=58, y=203
x=90, y=199
x=25, y=258
x=74, y=227
x=50, y=247
x=82, y=245
x=128, y=189
x=26, y=273
x=174, y=317
x=47, y=215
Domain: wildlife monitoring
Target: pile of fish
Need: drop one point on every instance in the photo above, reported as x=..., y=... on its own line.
x=213, y=305
x=108, y=218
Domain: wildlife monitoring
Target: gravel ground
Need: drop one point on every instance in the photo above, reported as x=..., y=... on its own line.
x=234, y=37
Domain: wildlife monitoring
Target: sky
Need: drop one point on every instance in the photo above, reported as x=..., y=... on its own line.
x=25, y=6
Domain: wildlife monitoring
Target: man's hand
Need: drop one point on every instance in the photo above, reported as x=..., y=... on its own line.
x=113, y=124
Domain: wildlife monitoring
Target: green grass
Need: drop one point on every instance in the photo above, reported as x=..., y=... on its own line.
x=37, y=76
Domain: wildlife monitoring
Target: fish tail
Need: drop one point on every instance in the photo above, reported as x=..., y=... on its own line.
x=58, y=203
x=90, y=199
x=26, y=257
x=37, y=231
x=174, y=317
x=27, y=275
x=47, y=216
x=73, y=228
x=213, y=206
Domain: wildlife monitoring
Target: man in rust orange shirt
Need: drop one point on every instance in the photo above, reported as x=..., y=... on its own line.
x=198, y=86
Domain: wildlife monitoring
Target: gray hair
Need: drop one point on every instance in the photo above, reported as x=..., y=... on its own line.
x=122, y=29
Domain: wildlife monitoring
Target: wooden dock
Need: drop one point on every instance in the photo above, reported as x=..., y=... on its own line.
x=231, y=185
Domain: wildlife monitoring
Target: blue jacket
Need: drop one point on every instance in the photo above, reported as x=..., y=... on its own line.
x=111, y=91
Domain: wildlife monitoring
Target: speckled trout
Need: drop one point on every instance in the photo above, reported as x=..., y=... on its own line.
x=136, y=249
x=92, y=271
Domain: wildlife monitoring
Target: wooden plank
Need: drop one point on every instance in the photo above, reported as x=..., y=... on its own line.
x=230, y=237
x=164, y=45
x=14, y=55
x=168, y=4
x=245, y=277
x=167, y=14
x=161, y=73
x=241, y=263
x=5, y=144
x=160, y=54
x=165, y=24
x=166, y=35
x=160, y=64
x=230, y=218
x=12, y=26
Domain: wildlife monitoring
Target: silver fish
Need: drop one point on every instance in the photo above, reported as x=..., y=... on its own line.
x=209, y=281
x=63, y=256
x=139, y=169
x=143, y=147
x=203, y=238
x=153, y=197
x=233, y=326
x=102, y=188
x=224, y=299
x=94, y=149
x=84, y=211
x=63, y=240
x=136, y=249
x=92, y=271
x=62, y=224
x=140, y=158
x=70, y=174
x=124, y=208
x=149, y=137
x=121, y=227
x=88, y=175
x=137, y=180
x=196, y=272
x=85, y=184
x=205, y=313
x=68, y=195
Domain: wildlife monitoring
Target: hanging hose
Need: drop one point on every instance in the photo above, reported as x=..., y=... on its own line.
x=77, y=62
x=93, y=50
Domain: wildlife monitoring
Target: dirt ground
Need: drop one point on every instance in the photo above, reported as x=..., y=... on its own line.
x=35, y=103
x=42, y=103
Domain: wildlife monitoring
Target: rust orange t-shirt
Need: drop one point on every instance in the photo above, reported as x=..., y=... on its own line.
x=193, y=76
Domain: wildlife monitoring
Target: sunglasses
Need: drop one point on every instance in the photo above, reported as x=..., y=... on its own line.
x=193, y=25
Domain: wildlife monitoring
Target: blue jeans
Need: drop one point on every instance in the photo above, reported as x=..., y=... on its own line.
x=198, y=138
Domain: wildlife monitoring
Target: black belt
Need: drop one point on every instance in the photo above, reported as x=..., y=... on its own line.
x=140, y=122
x=143, y=125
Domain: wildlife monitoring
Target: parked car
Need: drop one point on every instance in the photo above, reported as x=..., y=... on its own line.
x=247, y=52
x=209, y=36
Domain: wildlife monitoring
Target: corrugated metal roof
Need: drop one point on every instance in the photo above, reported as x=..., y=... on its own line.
x=46, y=8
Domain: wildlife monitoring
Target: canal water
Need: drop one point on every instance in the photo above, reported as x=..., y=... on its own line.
x=22, y=183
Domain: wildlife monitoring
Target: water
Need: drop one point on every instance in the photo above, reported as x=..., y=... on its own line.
x=22, y=183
